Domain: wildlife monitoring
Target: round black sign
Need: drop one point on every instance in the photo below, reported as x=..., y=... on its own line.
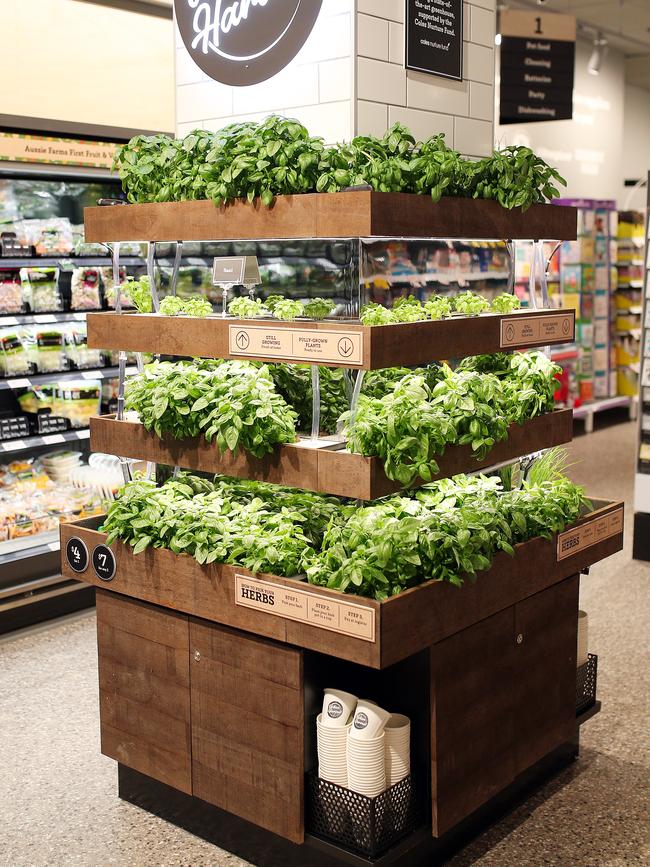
x=76, y=554
x=104, y=562
x=242, y=42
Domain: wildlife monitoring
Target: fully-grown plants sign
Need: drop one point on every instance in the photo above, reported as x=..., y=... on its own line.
x=243, y=42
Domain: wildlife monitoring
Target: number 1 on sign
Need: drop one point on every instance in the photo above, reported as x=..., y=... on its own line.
x=538, y=28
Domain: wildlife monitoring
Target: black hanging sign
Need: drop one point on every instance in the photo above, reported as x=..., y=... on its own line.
x=537, y=66
x=434, y=37
x=242, y=42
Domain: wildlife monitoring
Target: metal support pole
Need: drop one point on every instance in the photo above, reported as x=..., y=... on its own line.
x=315, y=402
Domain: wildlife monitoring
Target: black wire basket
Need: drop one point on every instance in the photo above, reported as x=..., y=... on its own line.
x=586, y=677
x=367, y=826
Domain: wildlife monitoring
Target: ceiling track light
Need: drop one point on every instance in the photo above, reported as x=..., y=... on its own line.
x=597, y=55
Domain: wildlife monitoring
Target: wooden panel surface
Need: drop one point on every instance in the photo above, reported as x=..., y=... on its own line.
x=404, y=344
x=330, y=215
x=405, y=624
x=144, y=688
x=327, y=471
x=248, y=727
x=546, y=686
x=472, y=718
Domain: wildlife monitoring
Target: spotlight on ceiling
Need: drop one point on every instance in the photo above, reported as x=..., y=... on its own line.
x=597, y=55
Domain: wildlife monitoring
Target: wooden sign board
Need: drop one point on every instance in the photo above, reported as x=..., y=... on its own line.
x=22, y=148
x=585, y=535
x=537, y=66
x=537, y=330
x=296, y=344
x=324, y=612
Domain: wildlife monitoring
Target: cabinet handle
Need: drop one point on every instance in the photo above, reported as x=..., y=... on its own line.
x=197, y=656
x=520, y=638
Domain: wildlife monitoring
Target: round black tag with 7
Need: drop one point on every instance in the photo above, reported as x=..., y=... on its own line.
x=104, y=562
x=76, y=554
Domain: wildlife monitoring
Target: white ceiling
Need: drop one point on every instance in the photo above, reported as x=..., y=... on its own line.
x=624, y=23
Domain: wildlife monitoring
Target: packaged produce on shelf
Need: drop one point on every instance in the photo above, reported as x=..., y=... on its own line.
x=41, y=289
x=78, y=401
x=81, y=247
x=84, y=289
x=106, y=275
x=75, y=347
x=49, y=237
x=11, y=292
x=14, y=359
x=38, y=399
x=45, y=349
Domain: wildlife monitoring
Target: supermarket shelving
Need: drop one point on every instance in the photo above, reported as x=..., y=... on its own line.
x=41, y=440
x=20, y=382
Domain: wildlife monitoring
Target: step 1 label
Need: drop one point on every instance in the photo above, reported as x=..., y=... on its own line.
x=573, y=541
x=346, y=618
x=297, y=344
x=537, y=330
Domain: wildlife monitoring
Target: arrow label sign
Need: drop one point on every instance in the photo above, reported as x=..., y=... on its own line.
x=297, y=344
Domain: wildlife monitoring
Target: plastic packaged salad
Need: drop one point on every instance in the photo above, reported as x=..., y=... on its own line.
x=11, y=292
x=41, y=288
x=45, y=349
x=78, y=401
x=14, y=359
x=75, y=345
x=84, y=288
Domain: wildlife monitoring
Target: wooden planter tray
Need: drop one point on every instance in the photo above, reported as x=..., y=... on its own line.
x=325, y=470
x=375, y=634
x=333, y=343
x=330, y=215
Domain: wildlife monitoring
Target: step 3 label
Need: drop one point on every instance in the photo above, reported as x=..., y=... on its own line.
x=297, y=344
x=537, y=330
x=334, y=615
x=573, y=541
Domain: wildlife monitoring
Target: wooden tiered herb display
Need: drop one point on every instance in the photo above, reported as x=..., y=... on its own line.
x=210, y=676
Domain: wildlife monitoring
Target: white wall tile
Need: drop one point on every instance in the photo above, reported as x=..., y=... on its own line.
x=393, y=10
x=214, y=124
x=372, y=37
x=187, y=72
x=485, y=4
x=473, y=137
x=335, y=80
x=423, y=124
x=330, y=38
x=337, y=7
x=478, y=62
x=183, y=129
x=467, y=18
x=396, y=43
x=372, y=118
x=481, y=101
x=483, y=26
x=194, y=101
x=381, y=82
x=433, y=93
x=331, y=120
x=292, y=86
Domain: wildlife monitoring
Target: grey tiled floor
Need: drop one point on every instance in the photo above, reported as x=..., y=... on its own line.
x=58, y=801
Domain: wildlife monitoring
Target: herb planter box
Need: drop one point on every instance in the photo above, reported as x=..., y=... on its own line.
x=333, y=343
x=325, y=470
x=353, y=214
x=375, y=634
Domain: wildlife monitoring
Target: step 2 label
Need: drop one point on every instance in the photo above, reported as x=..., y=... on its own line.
x=297, y=344
x=335, y=615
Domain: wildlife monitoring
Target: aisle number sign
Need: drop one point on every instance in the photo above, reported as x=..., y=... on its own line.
x=537, y=66
x=22, y=148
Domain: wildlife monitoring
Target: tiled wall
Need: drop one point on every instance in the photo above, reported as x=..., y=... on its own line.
x=338, y=96
x=387, y=93
x=316, y=87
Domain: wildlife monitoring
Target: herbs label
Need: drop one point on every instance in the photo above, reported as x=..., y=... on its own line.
x=531, y=330
x=357, y=621
x=573, y=541
x=297, y=344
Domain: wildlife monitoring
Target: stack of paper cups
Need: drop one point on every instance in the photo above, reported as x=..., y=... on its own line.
x=582, y=638
x=398, y=748
x=332, y=752
x=366, y=750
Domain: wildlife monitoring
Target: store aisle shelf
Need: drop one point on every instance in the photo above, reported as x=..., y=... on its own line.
x=21, y=382
x=66, y=262
x=587, y=411
x=10, y=320
x=35, y=442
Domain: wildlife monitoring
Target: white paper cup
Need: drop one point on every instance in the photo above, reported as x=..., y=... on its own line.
x=583, y=633
x=332, y=752
x=397, y=748
x=338, y=708
x=366, y=765
x=369, y=721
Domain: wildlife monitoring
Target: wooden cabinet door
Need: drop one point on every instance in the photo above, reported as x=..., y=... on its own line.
x=248, y=727
x=546, y=628
x=472, y=718
x=144, y=688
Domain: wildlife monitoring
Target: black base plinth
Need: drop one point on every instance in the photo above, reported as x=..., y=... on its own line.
x=265, y=849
